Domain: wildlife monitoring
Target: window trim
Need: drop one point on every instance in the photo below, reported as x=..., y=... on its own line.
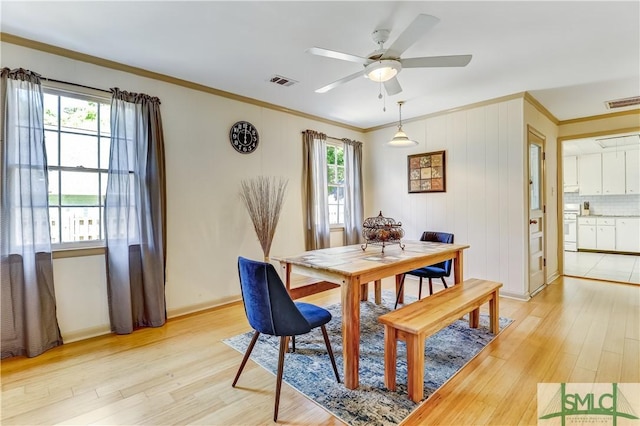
x=64, y=253
x=336, y=226
x=87, y=247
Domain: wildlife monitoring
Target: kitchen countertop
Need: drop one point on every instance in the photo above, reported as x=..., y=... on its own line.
x=609, y=215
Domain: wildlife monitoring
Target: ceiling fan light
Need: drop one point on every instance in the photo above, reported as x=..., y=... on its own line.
x=382, y=71
x=380, y=75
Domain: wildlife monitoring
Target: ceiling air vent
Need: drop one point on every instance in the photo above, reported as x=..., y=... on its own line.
x=282, y=81
x=619, y=141
x=621, y=103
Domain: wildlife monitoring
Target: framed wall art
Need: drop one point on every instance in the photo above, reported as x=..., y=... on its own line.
x=427, y=172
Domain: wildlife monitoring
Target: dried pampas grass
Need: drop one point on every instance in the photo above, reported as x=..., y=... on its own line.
x=263, y=197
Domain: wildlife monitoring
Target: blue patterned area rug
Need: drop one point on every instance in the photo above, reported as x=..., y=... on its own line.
x=309, y=369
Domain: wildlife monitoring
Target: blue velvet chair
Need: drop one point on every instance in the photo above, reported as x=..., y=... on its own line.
x=270, y=310
x=439, y=270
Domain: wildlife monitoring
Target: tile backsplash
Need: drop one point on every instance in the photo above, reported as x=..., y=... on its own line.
x=614, y=205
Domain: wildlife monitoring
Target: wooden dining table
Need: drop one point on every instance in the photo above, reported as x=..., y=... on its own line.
x=352, y=268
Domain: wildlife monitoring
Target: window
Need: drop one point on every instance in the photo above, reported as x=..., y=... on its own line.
x=77, y=139
x=335, y=180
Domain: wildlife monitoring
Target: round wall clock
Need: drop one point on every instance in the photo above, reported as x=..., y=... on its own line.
x=244, y=137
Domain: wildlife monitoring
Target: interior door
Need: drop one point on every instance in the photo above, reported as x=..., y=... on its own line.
x=537, y=261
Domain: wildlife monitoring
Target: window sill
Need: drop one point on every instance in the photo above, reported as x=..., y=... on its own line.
x=64, y=253
x=336, y=228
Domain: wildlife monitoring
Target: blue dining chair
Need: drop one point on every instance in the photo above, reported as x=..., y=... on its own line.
x=270, y=310
x=439, y=270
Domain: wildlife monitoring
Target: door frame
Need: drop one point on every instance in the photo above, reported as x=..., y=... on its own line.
x=559, y=181
x=537, y=137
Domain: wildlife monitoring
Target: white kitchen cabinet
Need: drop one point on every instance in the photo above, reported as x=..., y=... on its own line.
x=628, y=234
x=587, y=233
x=609, y=233
x=632, y=165
x=590, y=174
x=613, y=173
x=606, y=233
x=570, y=171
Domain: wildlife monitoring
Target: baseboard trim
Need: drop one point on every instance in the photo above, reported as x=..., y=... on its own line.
x=553, y=277
x=514, y=296
x=200, y=307
x=86, y=333
x=101, y=330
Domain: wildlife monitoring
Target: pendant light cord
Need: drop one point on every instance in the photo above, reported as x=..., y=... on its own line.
x=383, y=97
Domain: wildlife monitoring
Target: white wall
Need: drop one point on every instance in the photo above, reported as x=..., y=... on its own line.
x=207, y=225
x=81, y=294
x=484, y=204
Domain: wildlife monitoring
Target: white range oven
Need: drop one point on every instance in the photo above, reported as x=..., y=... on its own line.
x=570, y=213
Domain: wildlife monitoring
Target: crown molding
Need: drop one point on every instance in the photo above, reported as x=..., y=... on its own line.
x=71, y=54
x=635, y=111
x=533, y=101
x=449, y=111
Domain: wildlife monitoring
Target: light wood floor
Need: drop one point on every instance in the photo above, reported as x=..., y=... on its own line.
x=573, y=331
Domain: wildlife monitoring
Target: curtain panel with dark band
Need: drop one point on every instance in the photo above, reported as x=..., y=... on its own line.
x=135, y=214
x=29, y=323
x=314, y=190
x=353, y=189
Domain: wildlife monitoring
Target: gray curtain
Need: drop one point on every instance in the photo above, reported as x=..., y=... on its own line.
x=29, y=323
x=135, y=214
x=353, y=199
x=314, y=190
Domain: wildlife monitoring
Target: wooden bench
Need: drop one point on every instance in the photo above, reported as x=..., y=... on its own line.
x=415, y=322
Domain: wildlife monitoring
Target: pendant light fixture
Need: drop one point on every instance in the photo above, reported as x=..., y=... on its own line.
x=401, y=139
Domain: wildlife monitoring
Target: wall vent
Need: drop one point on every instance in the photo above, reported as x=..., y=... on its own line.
x=621, y=103
x=282, y=81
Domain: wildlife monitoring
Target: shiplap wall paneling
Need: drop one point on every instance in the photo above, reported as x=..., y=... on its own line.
x=503, y=192
x=492, y=192
x=516, y=201
x=476, y=191
x=457, y=175
x=437, y=207
x=484, y=203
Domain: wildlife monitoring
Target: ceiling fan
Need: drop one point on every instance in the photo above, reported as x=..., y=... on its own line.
x=382, y=65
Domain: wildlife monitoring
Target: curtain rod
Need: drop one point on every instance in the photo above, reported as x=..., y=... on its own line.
x=329, y=137
x=75, y=84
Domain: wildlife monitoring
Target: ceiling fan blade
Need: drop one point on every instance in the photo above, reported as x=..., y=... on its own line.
x=436, y=61
x=339, y=82
x=319, y=51
x=416, y=29
x=392, y=86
